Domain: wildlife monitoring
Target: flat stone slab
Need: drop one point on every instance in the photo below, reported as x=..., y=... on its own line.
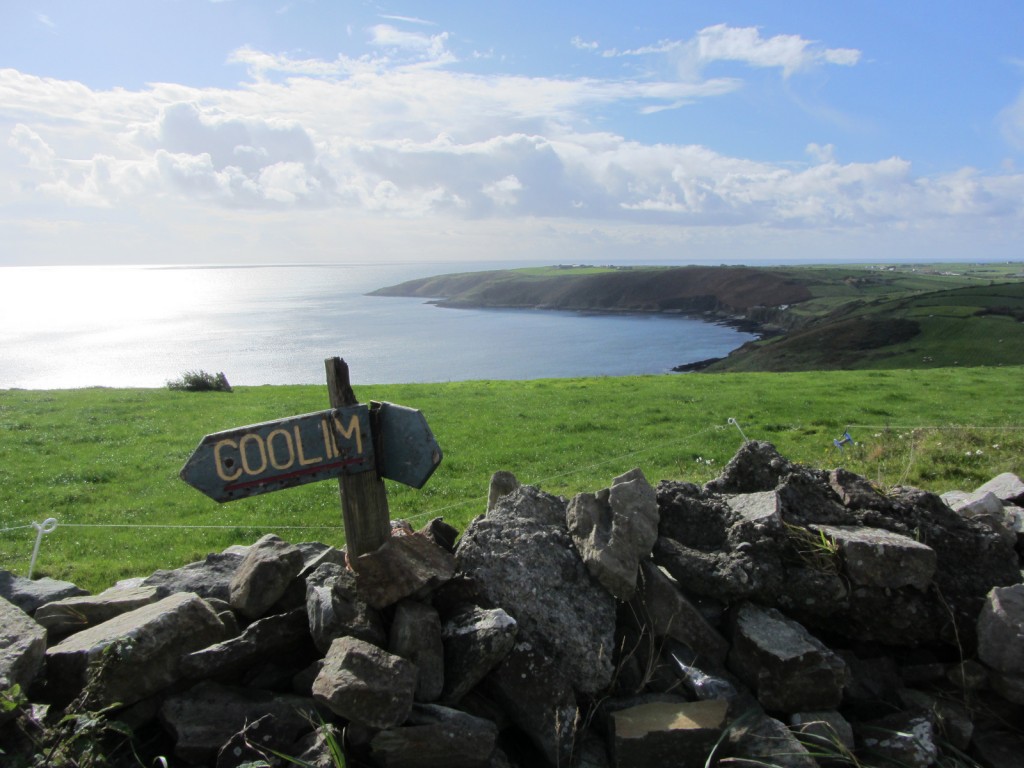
x=73, y=614
x=29, y=594
x=873, y=557
x=1001, y=630
x=666, y=733
x=1006, y=487
x=788, y=669
x=136, y=654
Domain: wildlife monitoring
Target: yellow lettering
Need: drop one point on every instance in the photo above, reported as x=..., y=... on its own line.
x=275, y=462
x=245, y=455
x=329, y=446
x=298, y=446
x=353, y=429
x=220, y=463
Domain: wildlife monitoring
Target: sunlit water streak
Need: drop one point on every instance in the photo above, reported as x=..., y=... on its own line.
x=66, y=327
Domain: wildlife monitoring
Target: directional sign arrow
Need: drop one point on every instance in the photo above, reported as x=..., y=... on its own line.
x=281, y=454
x=408, y=452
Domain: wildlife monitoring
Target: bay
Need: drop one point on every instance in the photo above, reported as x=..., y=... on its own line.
x=117, y=326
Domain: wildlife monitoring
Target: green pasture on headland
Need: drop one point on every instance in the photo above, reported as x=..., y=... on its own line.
x=105, y=462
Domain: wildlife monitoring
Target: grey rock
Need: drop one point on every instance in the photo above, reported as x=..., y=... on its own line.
x=22, y=647
x=202, y=719
x=256, y=743
x=416, y=636
x=1008, y=487
x=335, y=609
x=668, y=613
x=210, y=578
x=522, y=558
x=502, y=484
x=665, y=733
x=365, y=684
x=788, y=669
x=73, y=614
x=29, y=594
x=401, y=567
x=441, y=533
x=974, y=504
x=614, y=529
x=314, y=749
x=826, y=729
x=768, y=741
x=134, y=655
x=436, y=737
x=879, y=558
x=264, y=575
x=537, y=695
x=475, y=641
x=1010, y=687
x=281, y=635
x=757, y=466
x=903, y=739
x=998, y=749
x=1001, y=630
x=315, y=554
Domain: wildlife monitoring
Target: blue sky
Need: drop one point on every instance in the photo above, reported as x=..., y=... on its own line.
x=191, y=131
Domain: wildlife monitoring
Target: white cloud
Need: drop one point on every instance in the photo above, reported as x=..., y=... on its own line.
x=378, y=143
x=583, y=45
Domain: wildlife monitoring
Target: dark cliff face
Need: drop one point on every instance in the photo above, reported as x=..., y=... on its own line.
x=682, y=289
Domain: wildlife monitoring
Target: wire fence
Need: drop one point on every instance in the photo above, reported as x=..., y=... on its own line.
x=52, y=524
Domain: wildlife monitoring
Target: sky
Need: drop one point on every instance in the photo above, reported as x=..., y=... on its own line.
x=340, y=131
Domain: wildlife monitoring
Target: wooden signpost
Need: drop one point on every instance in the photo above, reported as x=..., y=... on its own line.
x=357, y=443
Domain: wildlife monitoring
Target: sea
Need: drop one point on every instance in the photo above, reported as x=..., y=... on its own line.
x=141, y=326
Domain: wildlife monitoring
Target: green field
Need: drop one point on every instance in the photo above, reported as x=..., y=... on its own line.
x=104, y=462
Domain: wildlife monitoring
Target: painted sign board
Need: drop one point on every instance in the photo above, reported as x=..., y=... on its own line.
x=273, y=455
x=266, y=457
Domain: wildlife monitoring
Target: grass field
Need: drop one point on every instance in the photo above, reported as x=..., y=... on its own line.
x=104, y=462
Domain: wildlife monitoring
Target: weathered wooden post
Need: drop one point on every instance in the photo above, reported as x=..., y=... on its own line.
x=364, y=501
x=358, y=444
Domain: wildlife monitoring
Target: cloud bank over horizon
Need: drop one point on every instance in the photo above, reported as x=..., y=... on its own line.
x=423, y=148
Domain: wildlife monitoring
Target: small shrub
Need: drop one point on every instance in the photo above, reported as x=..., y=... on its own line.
x=200, y=381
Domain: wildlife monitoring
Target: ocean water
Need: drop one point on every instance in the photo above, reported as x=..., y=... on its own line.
x=69, y=327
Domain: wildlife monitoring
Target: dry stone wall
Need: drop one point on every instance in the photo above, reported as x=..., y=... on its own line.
x=777, y=613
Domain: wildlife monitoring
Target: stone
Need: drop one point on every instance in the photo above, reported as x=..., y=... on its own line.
x=202, y=719
x=335, y=609
x=284, y=635
x=537, y=695
x=521, y=557
x=665, y=733
x=855, y=491
x=1001, y=630
x=1007, y=487
x=315, y=749
x=998, y=749
x=502, y=484
x=436, y=737
x=788, y=669
x=134, y=655
x=29, y=594
x=878, y=558
x=209, y=578
x=416, y=636
x=614, y=529
x=402, y=566
x=264, y=575
x=365, y=684
x=767, y=741
x=756, y=466
x=827, y=730
x=441, y=533
x=72, y=614
x=666, y=612
x=22, y=647
x=475, y=641
x=315, y=554
x=256, y=743
x=1010, y=687
x=903, y=739
x=974, y=504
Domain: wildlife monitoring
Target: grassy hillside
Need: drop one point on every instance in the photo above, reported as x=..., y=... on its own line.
x=829, y=318
x=104, y=462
